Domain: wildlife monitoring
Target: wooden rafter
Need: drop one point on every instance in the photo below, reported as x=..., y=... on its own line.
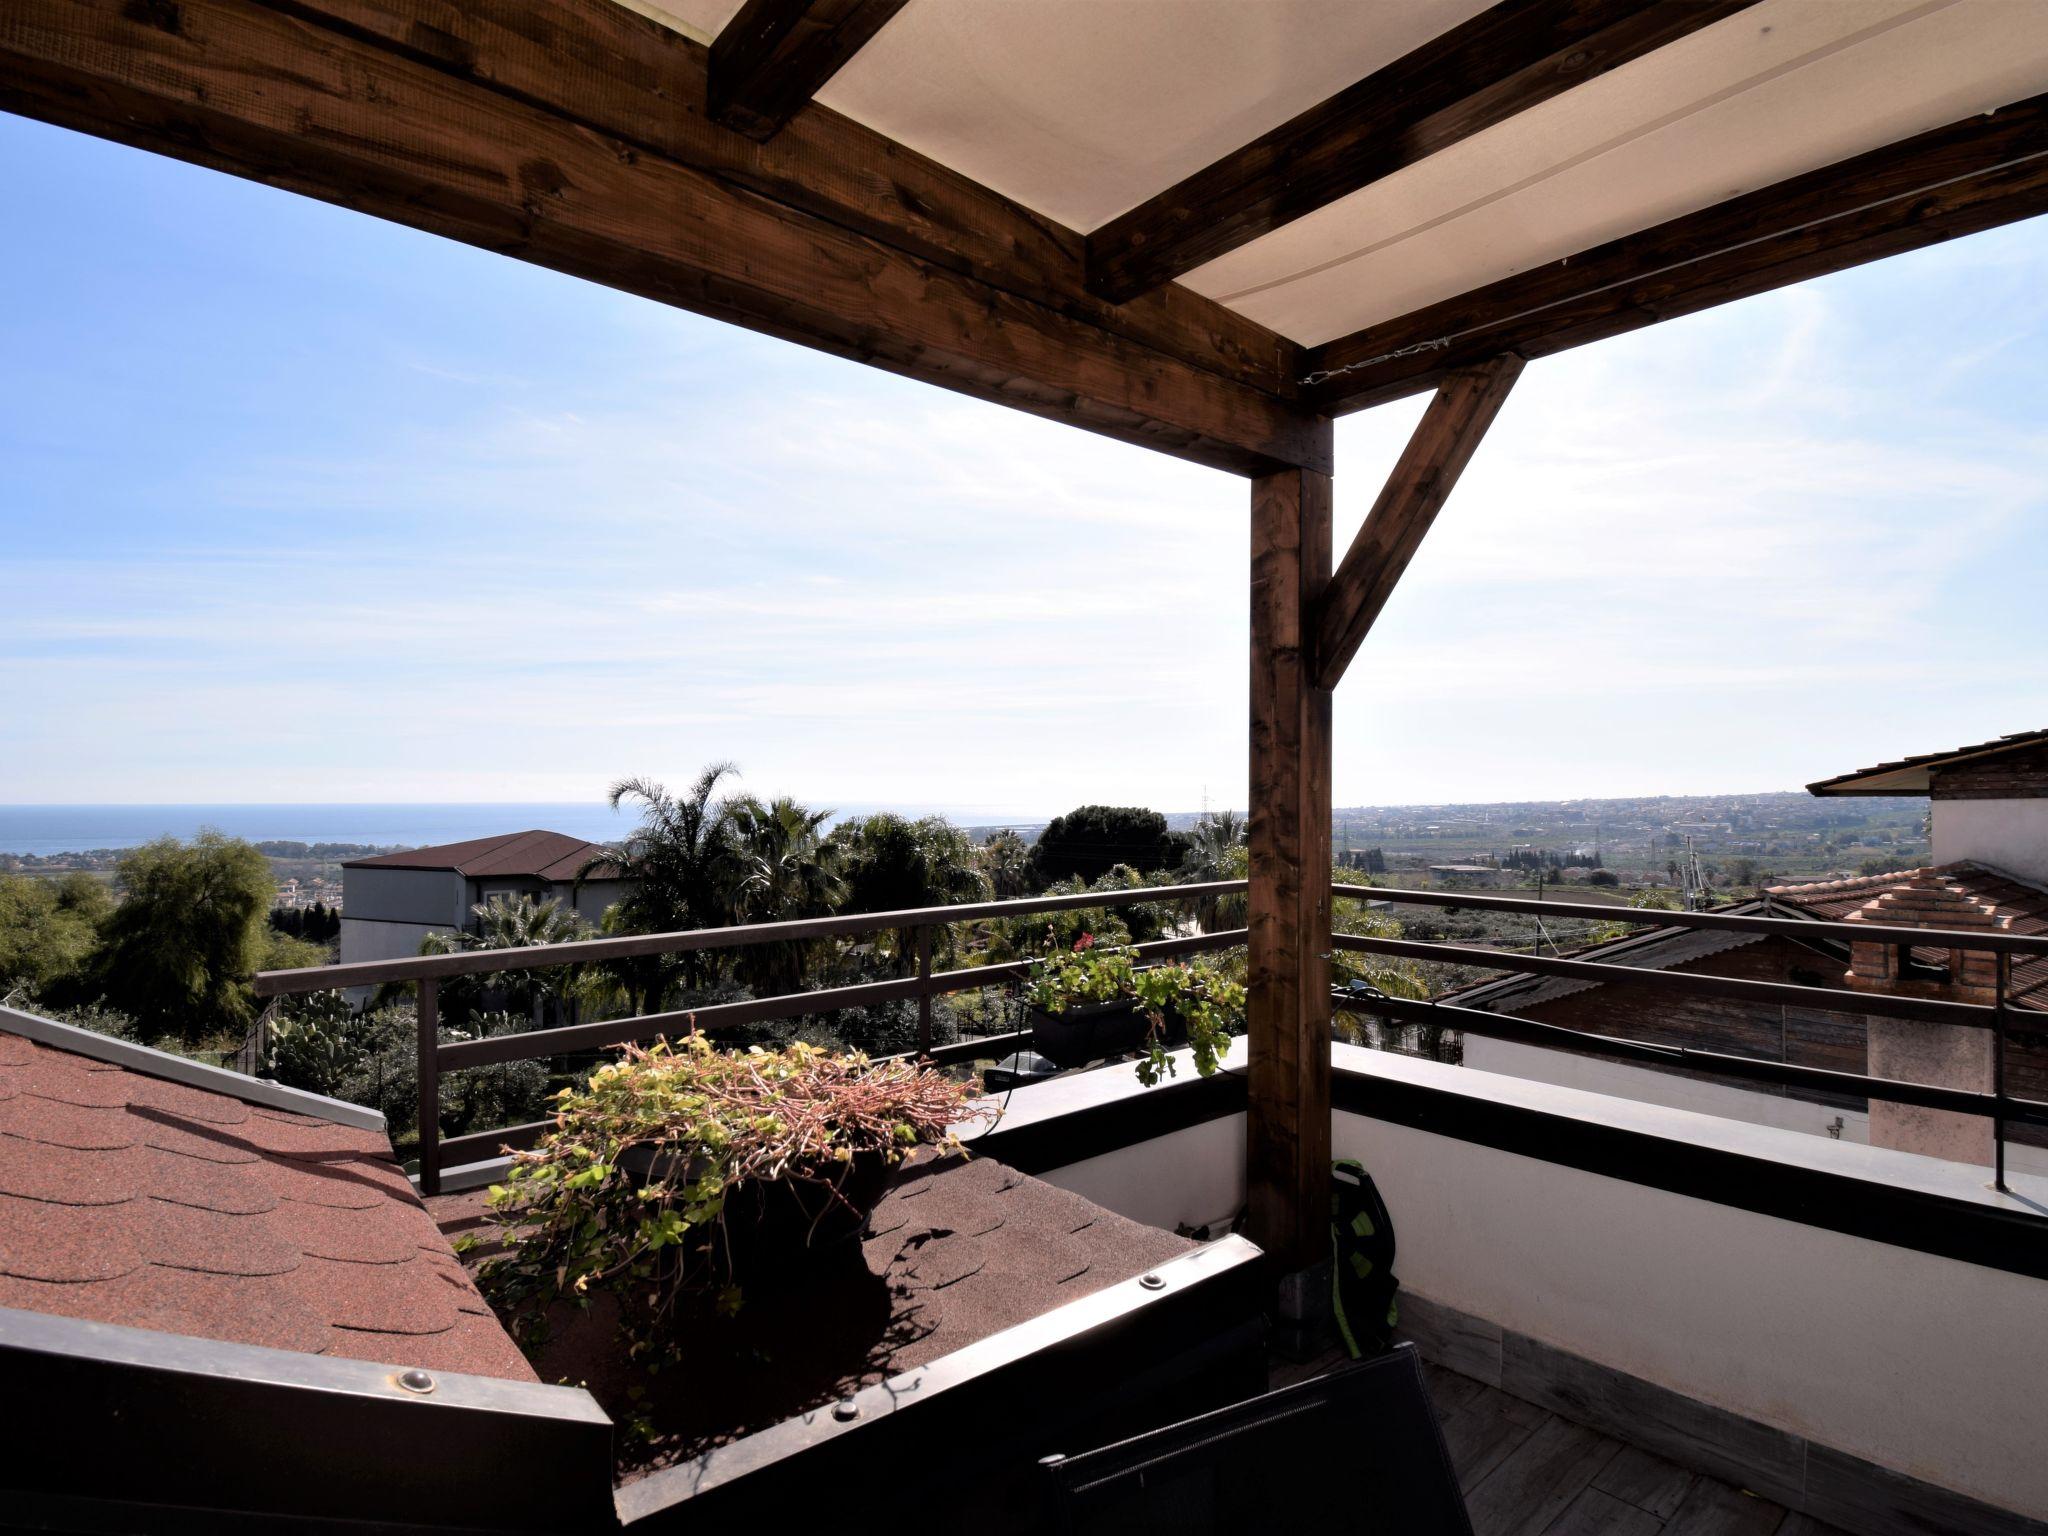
x=1969, y=176
x=1501, y=62
x=775, y=55
x=597, y=64
x=397, y=108
x=1438, y=451
x=1288, y=905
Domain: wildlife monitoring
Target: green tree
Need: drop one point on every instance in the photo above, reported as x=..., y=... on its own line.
x=1005, y=858
x=510, y=922
x=681, y=866
x=786, y=869
x=891, y=863
x=49, y=930
x=1214, y=854
x=189, y=932
x=1089, y=840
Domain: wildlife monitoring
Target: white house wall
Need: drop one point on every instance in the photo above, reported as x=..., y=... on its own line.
x=1646, y=1085
x=1925, y=1364
x=2010, y=836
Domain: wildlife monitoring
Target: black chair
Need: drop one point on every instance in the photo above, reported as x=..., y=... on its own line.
x=1356, y=1450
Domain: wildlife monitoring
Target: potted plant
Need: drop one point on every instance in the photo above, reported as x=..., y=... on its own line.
x=1094, y=1001
x=1083, y=1004
x=683, y=1172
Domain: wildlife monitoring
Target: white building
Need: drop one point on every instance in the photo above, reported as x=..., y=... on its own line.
x=393, y=901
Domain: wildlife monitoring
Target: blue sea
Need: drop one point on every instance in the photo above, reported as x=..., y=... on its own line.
x=46, y=829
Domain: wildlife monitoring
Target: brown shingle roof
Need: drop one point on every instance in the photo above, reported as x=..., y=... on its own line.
x=2021, y=904
x=126, y=1198
x=1909, y=775
x=954, y=1253
x=553, y=856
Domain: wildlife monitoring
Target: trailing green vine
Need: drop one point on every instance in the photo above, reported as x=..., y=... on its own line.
x=1201, y=996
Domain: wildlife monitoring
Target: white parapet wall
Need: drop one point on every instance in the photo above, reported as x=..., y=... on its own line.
x=1568, y=1069
x=1186, y=1179
x=1925, y=1364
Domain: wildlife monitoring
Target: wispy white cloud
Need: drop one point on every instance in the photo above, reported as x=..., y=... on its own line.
x=1743, y=549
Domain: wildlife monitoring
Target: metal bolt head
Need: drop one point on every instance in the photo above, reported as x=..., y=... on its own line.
x=845, y=1409
x=416, y=1380
x=1153, y=1282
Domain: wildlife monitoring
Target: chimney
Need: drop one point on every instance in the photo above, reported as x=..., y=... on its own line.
x=1945, y=1055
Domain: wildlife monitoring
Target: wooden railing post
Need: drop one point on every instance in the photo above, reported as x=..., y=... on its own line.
x=924, y=992
x=430, y=1085
x=1288, y=1138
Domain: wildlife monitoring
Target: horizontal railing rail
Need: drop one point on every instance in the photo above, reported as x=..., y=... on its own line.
x=1995, y=940
x=755, y=1010
x=1926, y=1010
x=427, y=972
x=475, y=962
x=1502, y=1026
x=1999, y=1106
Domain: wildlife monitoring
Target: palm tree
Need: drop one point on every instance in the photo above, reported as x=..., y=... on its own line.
x=786, y=870
x=680, y=868
x=511, y=922
x=1005, y=858
x=892, y=864
x=1217, y=853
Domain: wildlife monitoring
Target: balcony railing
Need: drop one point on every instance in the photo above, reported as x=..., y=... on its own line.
x=427, y=972
x=2001, y=1108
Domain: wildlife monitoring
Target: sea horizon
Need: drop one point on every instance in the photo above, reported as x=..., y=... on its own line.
x=50, y=829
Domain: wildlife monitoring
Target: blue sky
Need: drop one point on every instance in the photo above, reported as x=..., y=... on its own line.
x=301, y=506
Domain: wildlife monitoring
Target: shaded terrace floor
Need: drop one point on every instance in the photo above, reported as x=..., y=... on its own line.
x=1527, y=1472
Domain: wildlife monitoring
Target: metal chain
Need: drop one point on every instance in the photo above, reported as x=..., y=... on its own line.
x=1321, y=375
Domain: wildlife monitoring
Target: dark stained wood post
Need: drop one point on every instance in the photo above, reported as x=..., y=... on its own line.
x=430, y=1085
x=1288, y=1152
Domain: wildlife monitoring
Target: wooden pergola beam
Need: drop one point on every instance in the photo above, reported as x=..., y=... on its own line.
x=775, y=55
x=1288, y=943
x=1974, y=175
x=608, y=69
x=1438, y=451
x=1501, y=62
x=382, y=106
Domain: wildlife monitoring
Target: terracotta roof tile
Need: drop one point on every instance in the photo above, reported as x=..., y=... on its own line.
x=2014, y=905
x=552, y=856
x=1845, y=782
x=126, y=1198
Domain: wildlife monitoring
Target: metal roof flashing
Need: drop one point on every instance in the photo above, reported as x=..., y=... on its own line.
x=180, y=1069
x=316, y=1437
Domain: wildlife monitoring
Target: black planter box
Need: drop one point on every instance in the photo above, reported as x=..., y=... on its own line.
x=1096, y=1031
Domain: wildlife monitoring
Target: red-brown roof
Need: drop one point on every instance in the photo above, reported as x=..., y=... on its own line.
x=2022, y=904
x=1909, y=775
x=553, y=856
x=131, y=1199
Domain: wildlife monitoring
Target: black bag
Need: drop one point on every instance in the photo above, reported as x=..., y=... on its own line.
x=1362, y=1283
